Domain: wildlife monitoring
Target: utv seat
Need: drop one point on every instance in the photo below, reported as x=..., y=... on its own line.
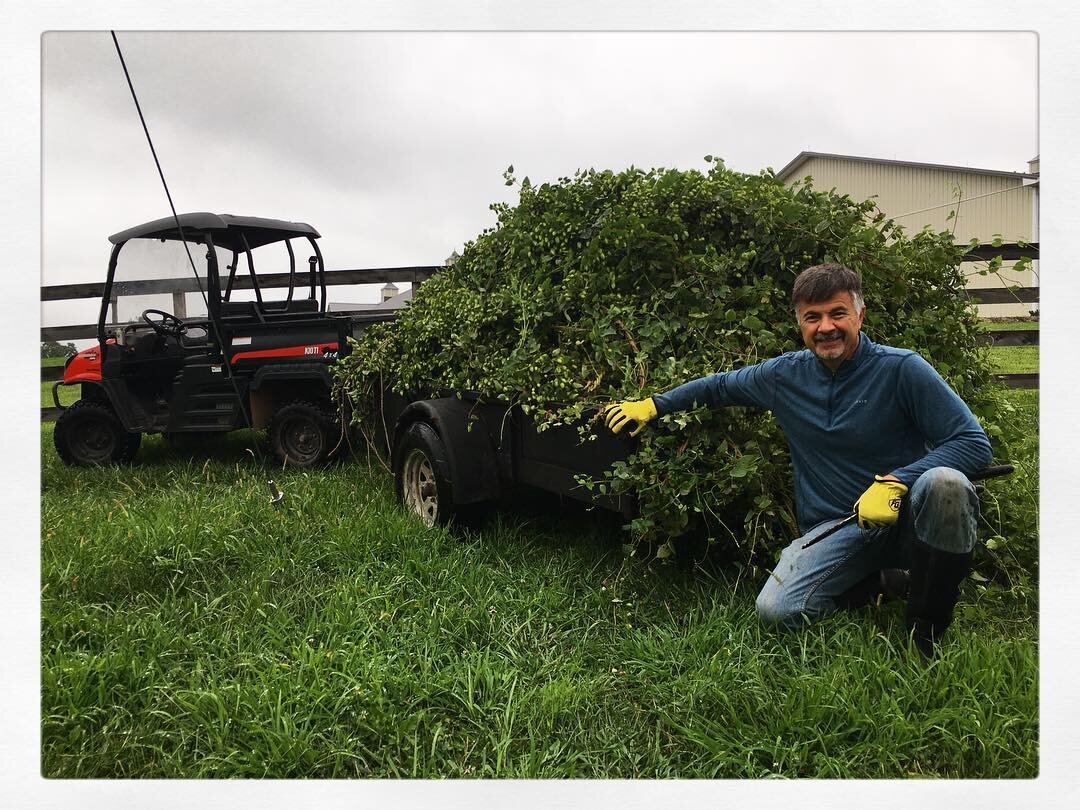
x=147, y=346
x=239, y=311
x=300, y=305
x=233, y=311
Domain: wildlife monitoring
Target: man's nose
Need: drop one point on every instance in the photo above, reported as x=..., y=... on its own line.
x=825, y=324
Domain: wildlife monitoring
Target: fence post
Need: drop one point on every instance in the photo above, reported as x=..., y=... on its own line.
x=179, y=305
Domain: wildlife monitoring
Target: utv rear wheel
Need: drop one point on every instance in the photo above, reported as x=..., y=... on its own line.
x=421, y=475
x=88, y=434
x=302, y=434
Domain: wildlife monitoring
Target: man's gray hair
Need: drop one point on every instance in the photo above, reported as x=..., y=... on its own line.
x=824, y=281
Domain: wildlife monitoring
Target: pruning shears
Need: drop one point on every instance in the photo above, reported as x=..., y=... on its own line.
x=986, y=472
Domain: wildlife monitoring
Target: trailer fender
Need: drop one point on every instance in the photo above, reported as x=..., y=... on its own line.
x=474, y=471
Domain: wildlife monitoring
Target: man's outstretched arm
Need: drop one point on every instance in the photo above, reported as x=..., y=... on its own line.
x=750, y=386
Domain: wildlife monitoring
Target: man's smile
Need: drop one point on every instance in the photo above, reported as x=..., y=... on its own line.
x=828, y=341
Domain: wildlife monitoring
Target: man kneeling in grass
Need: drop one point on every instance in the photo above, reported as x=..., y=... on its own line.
x=855, y=412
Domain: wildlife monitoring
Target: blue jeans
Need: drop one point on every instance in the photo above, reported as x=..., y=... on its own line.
x=941, y=510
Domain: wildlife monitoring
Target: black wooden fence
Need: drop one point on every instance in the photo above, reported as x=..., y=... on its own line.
x=415, y=275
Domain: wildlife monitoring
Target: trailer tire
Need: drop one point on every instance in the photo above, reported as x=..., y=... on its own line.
x=422, y=475
x=89, y=434
x=302, y=434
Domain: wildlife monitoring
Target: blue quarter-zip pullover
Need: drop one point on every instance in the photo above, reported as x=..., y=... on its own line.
x=883, y=411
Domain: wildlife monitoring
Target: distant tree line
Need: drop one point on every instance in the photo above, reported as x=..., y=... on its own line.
x=50, y=348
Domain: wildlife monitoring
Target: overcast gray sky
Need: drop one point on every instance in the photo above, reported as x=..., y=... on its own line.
x=393, y=144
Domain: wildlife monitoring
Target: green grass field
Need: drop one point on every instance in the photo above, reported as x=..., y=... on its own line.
x=1015, y=359
x=1003, y=326
x=68, y=393
x=191, y=629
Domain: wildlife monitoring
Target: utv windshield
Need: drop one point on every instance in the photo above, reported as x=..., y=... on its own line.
x=155, y=274
x=262, y=272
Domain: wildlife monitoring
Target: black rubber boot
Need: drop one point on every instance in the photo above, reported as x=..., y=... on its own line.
x=895, y=583
x=876, y=587
x=935, y=585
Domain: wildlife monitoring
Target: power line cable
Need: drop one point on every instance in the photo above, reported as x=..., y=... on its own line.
x=958, y=202
x=183, y=240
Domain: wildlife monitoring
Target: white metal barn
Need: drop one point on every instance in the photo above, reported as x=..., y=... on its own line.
x=987, y=203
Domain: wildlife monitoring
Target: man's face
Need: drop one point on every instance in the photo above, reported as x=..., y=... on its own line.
x=830, y=329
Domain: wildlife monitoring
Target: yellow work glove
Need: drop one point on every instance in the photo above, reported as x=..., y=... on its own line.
x=879, y=506
x=641, y=411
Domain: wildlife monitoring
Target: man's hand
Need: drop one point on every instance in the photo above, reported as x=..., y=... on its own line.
x=879, y=506
x=617, y=416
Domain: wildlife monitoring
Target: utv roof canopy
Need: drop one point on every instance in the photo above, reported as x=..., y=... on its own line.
x=226, y=230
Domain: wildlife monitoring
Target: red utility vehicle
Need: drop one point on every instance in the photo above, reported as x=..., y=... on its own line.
x=256, y=363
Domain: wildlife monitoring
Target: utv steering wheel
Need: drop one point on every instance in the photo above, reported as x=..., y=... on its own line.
x=168, y=326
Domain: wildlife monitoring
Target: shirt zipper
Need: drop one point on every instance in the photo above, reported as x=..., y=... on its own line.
x=832, y=388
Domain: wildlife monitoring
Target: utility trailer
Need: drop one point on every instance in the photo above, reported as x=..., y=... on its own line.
x=454, y=451
x=261, y=363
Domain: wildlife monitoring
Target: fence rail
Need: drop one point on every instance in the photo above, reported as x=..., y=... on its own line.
x=334, y=278
x=419, y=273
x=1018, y=380
x=1002, y=337
x=1007, y=251
x=89, y=330
x=1012, y=337
x=982, y=296
x=1004, y=295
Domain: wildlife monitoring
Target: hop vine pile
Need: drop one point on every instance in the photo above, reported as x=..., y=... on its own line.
x=609, y=286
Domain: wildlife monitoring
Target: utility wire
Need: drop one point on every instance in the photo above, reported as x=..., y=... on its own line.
x=187, y=249
x=958, y=202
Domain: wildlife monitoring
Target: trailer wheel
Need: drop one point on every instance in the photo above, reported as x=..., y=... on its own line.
x=301, y=434
x=89, y=434
x=421, y=475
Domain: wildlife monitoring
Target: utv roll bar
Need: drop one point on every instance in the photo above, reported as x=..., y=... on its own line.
x=235, y=233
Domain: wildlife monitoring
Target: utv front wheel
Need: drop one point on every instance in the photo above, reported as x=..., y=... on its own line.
x=302, y=434
x=421, y=475
x=88, y=434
